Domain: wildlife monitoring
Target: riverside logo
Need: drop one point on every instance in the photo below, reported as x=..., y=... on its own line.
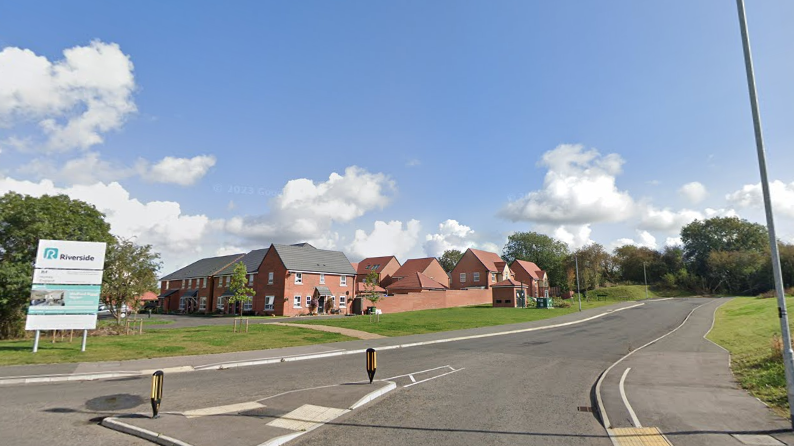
x=53, y=254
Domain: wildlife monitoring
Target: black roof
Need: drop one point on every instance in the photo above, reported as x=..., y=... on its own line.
x=203, y=268
x=252, y=260
x=305, y=257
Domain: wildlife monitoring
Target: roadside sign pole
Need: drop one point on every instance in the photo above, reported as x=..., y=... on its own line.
x=788, y=354
x=578, y=292
x=85, y=337
x=36, y=341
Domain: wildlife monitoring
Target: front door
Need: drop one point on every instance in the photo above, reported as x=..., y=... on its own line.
x=321, y=305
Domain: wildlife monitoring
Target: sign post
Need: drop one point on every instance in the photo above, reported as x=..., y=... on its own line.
x=67, y=281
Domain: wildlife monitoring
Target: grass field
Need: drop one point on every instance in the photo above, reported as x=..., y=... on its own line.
x=158, y=343
x=745, y=326
x=432, y=321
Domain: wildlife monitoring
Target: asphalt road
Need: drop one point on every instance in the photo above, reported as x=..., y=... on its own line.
x=513, y=389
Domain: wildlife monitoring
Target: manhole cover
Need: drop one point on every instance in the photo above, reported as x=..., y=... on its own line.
x=114, y=402
x=757, y=440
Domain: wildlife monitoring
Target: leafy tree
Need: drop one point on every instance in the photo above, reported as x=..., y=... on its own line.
x=24, y=220
x=239, y=286
x=631, y=259
x=370, y=283
x=734, y=271
x=547, y=252
x=700, y=238
x=593, y=262
x=130, y=270
x=449, y=259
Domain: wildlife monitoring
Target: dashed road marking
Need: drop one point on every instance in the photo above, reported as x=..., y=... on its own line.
x=626, y=400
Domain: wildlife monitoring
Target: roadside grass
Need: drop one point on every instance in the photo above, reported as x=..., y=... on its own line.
x=159, y=343
x=146, y=321
x=447, y=319
x=745, y=327
x=618, y=293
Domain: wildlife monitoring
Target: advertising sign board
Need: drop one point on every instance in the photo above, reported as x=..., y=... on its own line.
x=67, y=276
x=60, y=254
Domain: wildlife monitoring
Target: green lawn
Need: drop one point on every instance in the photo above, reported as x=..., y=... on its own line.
x=432, y=321
x=158, y=343
x=745, y=326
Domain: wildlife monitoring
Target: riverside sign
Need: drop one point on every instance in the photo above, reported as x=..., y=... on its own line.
x=67, y=281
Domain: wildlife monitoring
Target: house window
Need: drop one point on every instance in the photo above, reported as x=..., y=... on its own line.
x=228, y=280
x=498, y=301
x=270, y=278
x=248, y=305
x=493, y=277
x=342, y=301
x=220, y=303
x=299, y=278
x=269, y=302
x=308, y=300
x=204, y=285
x=203, y=303
x=182, y=303
x=166, y=284
x=250, y=279
x=322, y=279
x=508, y=301
x=296, y=301
x=475, y=277
x=342, y=280
x=462, y=277
x=183, y=283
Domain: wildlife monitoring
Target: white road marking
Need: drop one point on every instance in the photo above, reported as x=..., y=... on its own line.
x=437, y=376
x=626, y=400
x=307, y=417
x=219, y=410
x=413, y=380
x=419, y=372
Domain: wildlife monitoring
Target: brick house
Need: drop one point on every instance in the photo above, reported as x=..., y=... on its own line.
x=253, y=263
x=505, y=293
x=290, y=276
x=415, y=283
x=428, y=266
x=191, y=289
x=384, y=266
x=478, y=269
x=530, y=274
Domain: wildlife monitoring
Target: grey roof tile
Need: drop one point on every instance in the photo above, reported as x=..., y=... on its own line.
x=305, y=257
x=203, y=268
x=252, y=260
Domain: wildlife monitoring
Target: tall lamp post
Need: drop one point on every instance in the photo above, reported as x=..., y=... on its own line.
x=770, y=222
x=645, y=276
x=578, y=293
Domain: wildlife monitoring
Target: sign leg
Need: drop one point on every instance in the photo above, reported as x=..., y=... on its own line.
x=36, y=342
x=85, y=337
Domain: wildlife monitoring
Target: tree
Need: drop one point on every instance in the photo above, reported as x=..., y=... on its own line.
x=130, y=271
x=449, y=259
x=700, y=238
x=593, y=262
x=735, y=271
x=547, y=252
x=24, y=220
x=239, y=286
x=370, y=283
x=630, y=260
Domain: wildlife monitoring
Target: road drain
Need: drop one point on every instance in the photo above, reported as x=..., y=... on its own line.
x=585, y=409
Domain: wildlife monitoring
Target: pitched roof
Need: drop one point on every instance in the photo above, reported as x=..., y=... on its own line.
x=355, y=266
x=366, y=266
x=305, y=257
x=413, y=266
x=488, y=259
x=252, y=260
x=416, y=280
x=203, y=268
x=509, y=283
x=360, y=288
x=530, y=267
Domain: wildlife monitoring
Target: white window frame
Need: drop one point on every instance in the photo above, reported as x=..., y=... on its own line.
x=298, y=278
x=308, y=300
x=166, y=284
x=250, y=279
x=219, y=305
x=272, y=300
x=228, y=280
x=270, y=278
x=296, y=301
x=462, y=277
x=203, y=303
x=342, y=280
x=342, y=301
x=182, y=303
x=475, y=276
x=322, y=279
x=204, y=285
x=183, y=283
x=248, y=305
x=493, y=277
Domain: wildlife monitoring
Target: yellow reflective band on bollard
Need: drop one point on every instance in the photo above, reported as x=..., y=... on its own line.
x=157, y=392
x=372, y=363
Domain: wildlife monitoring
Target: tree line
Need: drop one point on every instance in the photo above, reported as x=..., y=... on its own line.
x=720, y=255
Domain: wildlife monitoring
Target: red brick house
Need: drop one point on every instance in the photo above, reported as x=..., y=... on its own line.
x=290, y=276
x=415, y=283
x=385, y=267
x=505, y=293
x=529, y=273
x=428, y=266
x=478, y=269
x=221, y=292
x=191, y=289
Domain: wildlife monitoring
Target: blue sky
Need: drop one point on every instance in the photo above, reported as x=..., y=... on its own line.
x=207, y=128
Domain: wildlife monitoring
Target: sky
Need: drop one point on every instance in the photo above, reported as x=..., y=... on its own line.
x=404, y=128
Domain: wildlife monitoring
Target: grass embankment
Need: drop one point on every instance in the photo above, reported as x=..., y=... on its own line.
x=618, y=293
x=159, y=343
x=446, y=319
x=745, y=327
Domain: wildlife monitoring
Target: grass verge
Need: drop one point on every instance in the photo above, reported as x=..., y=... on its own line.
x=446, y=319
x=745, y=327
x=159, y=343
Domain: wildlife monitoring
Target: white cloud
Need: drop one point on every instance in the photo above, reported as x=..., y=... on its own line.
x=673, y=241
x=413, y=162
x=450, y=235
x=694, y=192
x=579, y=188
x=666, y=220
x=305, y=210
x=90, y=168
x=73, y=101
x=575, y=236
x=386, y=239
x=644, y=239
x=226, y=250
x=182, y=171
x=751, y=196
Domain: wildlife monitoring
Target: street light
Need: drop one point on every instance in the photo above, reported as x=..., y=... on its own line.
x=645, y=276
x=788, y=354
x=579, y=293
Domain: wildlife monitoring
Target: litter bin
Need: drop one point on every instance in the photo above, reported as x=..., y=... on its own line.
x=370, y=310
x=542, y=302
